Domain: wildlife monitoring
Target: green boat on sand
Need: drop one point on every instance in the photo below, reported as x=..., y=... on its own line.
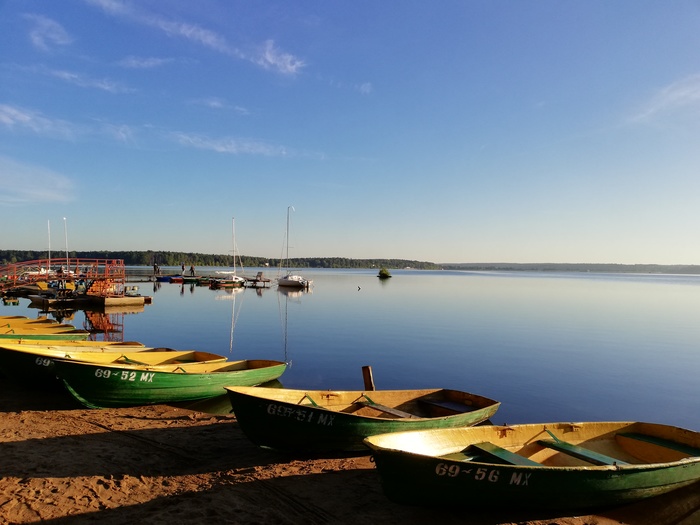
x=33, y=364
x=110, y=386
x=329, y=421
x=568, y=466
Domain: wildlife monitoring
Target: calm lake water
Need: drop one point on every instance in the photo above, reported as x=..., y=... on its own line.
x=550, y=347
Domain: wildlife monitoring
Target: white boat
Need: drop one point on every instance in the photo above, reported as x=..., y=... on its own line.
x=291, y=280
x=294, y=281
x=229, y=278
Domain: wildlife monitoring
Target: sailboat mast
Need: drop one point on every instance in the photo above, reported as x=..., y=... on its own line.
x=287, y=236
x=48, y=225
x=233, y=242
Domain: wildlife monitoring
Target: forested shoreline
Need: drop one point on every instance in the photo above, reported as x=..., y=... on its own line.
x=162, y=258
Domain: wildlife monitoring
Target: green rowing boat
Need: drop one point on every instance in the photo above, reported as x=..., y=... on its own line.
x=33, y=364
x=104, y=386
x=324, y=421
x=44, y=334
x=15, y=322
x=543, y=466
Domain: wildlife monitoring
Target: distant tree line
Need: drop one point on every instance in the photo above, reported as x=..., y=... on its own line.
x=149, y=258
x=574, y=267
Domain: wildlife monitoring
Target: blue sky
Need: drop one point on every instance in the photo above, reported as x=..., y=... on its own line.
x=450, y=131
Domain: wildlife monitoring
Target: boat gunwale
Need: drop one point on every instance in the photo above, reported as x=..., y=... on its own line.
x=374, y=443
x=281, y=395
x=184, y=368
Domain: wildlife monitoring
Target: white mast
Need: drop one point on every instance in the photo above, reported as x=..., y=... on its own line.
x=65, y=230
x=233, y=242
x=288, y=208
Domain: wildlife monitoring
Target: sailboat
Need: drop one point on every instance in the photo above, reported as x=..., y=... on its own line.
x=291, y=280
x=231, y=280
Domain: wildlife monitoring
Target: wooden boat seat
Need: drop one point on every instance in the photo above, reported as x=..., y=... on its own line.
x=389, y=410
x=666, y=443
x=579, y=452
x=452, y=406
x=504, y=455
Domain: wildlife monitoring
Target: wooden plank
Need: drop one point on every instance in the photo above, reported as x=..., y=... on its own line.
x=666, y=443
x=453, y=406
x=579, y=452
x=505, y=455
x=388, y=410
x=461, y=456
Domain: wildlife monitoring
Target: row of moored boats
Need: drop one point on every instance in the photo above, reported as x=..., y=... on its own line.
x=430, y=446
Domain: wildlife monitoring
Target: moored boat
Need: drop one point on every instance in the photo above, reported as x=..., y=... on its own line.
x=543, y=466
x=97, y=346
x=294, y=281
x=34, y=363
x=22, y=324
x=63, y=332
x=103, y=386
x=13, y=321
x=326, y=420
x=291, y=280
x=231, y=280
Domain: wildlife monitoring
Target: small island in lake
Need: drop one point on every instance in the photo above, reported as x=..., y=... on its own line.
x=384, y=273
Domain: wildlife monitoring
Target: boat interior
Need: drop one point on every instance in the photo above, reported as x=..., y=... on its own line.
x=613, y=445
x=385, y=404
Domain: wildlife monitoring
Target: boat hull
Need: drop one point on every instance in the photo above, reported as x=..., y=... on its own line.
x=294, y=281
x=411, y=474
x=288, y=420
x=15, y=322
x=33, y=364
x=46, y=335
x=227, y=283
x=103, y=386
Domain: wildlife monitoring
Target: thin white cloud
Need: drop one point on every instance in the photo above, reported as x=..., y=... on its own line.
x=47, y=33
x=271, y=57
x=16, y=118
x=681, y=95
x=22, y=120
x=365, y=88
x=233, y=146
x=268, y=56
x=219, y=103
x=28, y=184
x=191, y=32
x=213, y=102
x=87, y=82
x=120, y=132
x=133, y=62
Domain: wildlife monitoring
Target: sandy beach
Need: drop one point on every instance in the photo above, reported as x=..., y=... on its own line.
x=163, y=464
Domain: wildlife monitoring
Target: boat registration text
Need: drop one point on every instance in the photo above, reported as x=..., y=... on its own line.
x=481, y=474
x=125, y=375
x=300, y=414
